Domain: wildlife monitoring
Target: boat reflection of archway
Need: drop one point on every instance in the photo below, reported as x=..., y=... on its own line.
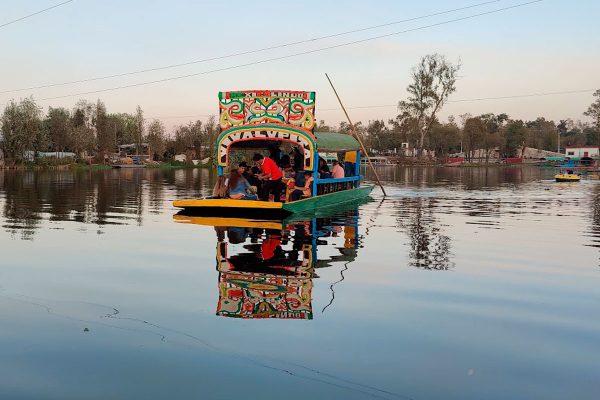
x=271, y=275
x=266, y=268
x=265, y=281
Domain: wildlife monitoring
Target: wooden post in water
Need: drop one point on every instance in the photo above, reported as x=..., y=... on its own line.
x=357, y=136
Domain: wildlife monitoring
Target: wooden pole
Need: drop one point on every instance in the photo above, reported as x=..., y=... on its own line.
x=357, y=136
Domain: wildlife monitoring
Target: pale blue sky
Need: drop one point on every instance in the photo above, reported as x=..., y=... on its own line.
x=543, y=47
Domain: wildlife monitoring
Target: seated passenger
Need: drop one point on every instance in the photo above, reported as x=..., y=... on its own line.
x=305, y=190
x=250, y=174
x=324, y=172
x=299, y=178
x=220, y=189
x=298, y=159
x=286, y=166
x=337, y=170
x=239, y=188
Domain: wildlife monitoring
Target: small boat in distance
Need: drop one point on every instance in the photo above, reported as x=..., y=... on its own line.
x=267, y=120
x=567, y=177
x=566, y=174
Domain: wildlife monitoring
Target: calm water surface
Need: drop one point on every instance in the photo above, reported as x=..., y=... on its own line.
x=461, y=284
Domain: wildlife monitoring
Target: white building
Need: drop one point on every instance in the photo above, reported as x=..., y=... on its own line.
x=582, y=151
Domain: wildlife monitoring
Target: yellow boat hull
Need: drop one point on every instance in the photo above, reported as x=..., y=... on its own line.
x=227, y=203
x=567, y=178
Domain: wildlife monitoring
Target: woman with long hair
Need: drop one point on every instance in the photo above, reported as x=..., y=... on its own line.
x=220, y=189
x=238, y=187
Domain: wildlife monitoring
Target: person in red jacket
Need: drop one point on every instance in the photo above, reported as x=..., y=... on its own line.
x=271, y=177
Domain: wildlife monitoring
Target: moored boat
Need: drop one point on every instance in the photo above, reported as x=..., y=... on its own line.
x=267, y=120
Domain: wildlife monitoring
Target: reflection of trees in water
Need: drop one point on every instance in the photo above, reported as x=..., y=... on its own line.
x=89, y=197
x=469, y=178
x=429, y=247
x=595, y=225
x=21, y=205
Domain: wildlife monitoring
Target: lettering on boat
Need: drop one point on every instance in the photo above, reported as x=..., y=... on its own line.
x=255, y=133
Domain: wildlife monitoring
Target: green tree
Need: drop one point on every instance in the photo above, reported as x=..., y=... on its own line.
x=83, y=140
x=156, y=139
x=194, y=136
x=542, y=134
x=434, y=79
x=473, y=135
x=594, y=112
x=378, y=136
x=403, y=130
x=516, y=135
x=321, y=126
x=493, y=137
x=138, y=128
x=21, y=126
x=444, y=139
x=84, y=113
x=58, y=127
x=125, y=127
x=105, y=132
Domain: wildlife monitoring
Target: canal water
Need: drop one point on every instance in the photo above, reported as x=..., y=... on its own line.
x=463, y=283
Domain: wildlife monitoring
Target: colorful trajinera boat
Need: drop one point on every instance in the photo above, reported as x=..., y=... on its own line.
x=261, y=120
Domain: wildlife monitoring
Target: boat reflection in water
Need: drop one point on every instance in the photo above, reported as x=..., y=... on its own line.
x=266, y=268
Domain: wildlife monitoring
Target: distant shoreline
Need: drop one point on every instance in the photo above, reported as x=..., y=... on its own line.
x=91, y=167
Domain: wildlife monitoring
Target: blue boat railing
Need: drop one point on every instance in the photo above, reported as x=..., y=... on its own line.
x=330, y=185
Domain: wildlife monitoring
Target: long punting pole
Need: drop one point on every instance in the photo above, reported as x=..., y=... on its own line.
x=357, y=136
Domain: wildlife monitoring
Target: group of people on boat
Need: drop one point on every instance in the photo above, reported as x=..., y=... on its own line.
x=268, y=177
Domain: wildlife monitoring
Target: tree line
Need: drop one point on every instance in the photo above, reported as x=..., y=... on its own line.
x=433, y=81
x=478, y=136
x=89, y=128
x=90, y=131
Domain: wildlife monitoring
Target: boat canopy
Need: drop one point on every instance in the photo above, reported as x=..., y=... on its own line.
x=333, y=141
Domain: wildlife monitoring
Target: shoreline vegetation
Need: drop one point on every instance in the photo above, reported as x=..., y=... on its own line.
x=88, y=134
x=409, y=162
x=75, y=166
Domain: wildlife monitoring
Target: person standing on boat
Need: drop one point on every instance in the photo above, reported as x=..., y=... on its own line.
x=350, y=163
x=271, y=177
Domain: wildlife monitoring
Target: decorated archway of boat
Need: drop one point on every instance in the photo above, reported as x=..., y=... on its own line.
x=266, y=268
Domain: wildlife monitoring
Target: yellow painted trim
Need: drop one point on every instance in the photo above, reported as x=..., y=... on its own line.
x=228, y=222
x=227, y=203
